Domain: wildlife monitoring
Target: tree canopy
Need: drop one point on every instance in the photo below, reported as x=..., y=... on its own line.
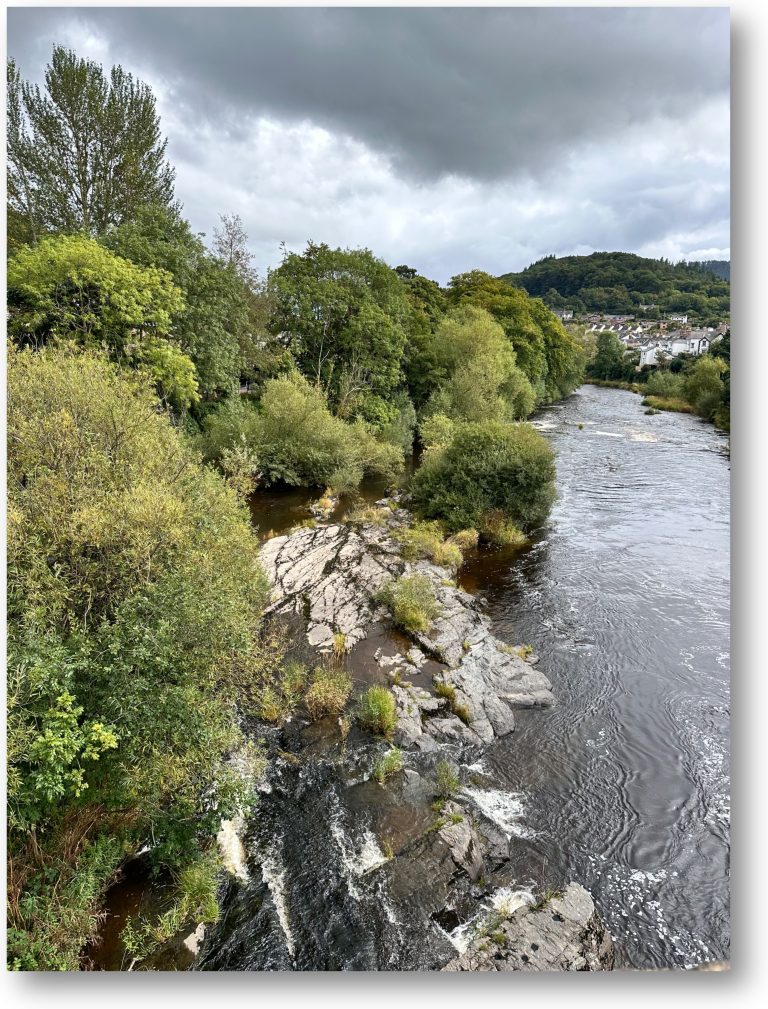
x=84, y=152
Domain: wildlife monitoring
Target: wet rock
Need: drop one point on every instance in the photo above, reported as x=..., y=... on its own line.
x=462, y=839
x=566, y=934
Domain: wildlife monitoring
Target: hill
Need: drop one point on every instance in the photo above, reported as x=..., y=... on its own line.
x=620, y=282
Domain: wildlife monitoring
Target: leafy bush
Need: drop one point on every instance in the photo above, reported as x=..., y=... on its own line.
x=328, y=691
x=134, y=595
x=665, y=384
x=484, y=468
x=389, y=764
x=294, y=438
x=377, y=711
x=704, y=386
x=411, y=602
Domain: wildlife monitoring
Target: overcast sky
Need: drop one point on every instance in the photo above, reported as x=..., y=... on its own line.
x=447, y=139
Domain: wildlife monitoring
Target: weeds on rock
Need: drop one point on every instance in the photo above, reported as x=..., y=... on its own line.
x=389, y=764
x=410, y=601
x=377, y=711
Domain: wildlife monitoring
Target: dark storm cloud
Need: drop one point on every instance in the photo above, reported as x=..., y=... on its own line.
x=483, y=93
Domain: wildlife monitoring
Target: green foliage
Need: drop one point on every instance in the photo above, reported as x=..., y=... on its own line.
x=328, y=691
x=194, y=900
x=376, y=711
x=389, y=764
x=294, y=438
x=609, y=360
x=134, y=592
x=478, y=375
x=411, y=602
x=619, y=282
x=222, y=324
x=447, y=779
x=343, y=315
x=426, y=539
x=550, y=357
x=704, y=386
x=487, y=467
x=658, y=403
x=71, y=289
x=84, y=153
x=666, y=384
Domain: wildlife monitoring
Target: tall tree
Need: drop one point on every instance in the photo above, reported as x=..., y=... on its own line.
x=230, y=244
x=85, y=152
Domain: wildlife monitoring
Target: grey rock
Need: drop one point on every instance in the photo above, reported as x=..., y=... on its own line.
x=564, y=935
x=463, y=841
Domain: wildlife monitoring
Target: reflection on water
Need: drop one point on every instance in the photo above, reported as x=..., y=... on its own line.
x=625, y=597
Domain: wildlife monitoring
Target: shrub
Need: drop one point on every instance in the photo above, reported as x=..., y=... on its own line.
x=665, y=384
x=487, y=467
x=295, y=439
x=672, y=405
x=328, y=691
x=447, y=779
x=411, y=602
x=389, y=764
x=376, y=711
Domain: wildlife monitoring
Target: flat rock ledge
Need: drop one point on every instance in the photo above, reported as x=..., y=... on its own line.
x=328, y=574
x=565, y=934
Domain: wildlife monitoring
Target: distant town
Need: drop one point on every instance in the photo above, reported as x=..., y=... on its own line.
x=654, y=341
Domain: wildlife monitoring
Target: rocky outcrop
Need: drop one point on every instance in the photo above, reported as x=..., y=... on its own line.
x=329, y=575
x=565, y=934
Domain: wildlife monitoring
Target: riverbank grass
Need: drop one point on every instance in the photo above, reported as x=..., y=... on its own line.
x=410, y=601
x=328, y=691
x=376, y=711
x=671, y=405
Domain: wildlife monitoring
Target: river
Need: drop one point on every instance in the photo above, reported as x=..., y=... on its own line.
x=622, y=786
x=625, y=597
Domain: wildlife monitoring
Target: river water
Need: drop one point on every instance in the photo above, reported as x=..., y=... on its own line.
x=625, y=597
x=622, y=786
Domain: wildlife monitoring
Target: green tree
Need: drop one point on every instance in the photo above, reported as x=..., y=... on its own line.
x=84, y=153
x=546, y=353
x=342, y=314
x=481, y=380
x=223, y=323
x=608, y=362
x=71, y=289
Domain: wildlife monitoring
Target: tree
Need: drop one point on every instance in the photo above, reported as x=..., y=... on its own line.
x=551, y=359
x=342, y=313
x=86, y=152
x=230, y=245
x=72, y=289
x=704, y=386
x=222, y=326
x=478, y=375
x=608, y=362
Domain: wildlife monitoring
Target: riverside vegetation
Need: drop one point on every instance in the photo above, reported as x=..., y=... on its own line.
x=154, y=383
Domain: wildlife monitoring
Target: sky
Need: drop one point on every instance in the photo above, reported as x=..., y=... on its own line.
x=446, y=139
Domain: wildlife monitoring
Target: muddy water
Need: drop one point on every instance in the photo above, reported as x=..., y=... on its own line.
x=625, y=596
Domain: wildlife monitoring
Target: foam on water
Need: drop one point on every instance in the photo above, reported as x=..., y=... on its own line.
x=505, y=809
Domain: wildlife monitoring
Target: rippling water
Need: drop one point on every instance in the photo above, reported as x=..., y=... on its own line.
x=625, y=597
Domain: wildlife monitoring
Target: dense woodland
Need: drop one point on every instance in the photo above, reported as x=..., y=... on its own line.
x=155, y=382
x=620, y=282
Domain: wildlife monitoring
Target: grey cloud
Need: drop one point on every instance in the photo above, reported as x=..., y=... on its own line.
x=485, y=93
